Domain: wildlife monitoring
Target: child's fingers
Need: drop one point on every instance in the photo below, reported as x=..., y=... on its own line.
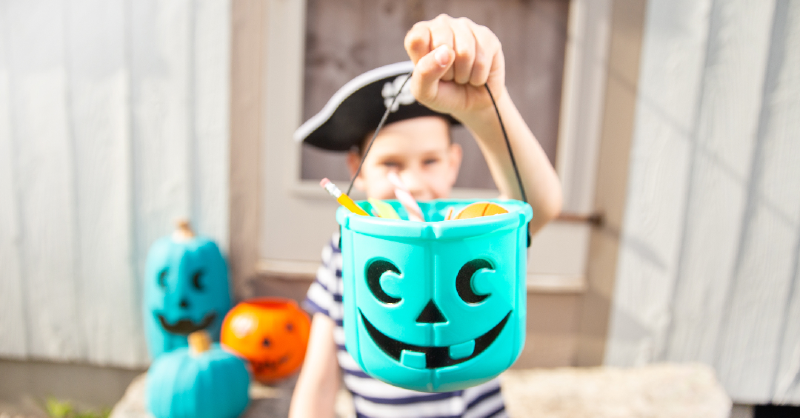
x=488, y=56
x=464, y=46
x=418, y=41
x=428, y=71
x=442, y=34
x=469, y=54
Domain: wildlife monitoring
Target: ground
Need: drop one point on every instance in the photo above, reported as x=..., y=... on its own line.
x=656, y=391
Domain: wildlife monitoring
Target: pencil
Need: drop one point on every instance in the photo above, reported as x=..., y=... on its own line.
x=342, y=198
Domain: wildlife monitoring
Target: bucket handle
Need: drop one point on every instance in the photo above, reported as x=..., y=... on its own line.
x=502, y=128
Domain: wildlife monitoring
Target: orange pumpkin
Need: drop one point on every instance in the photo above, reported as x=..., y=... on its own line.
x=479, y=209
x=271, y=333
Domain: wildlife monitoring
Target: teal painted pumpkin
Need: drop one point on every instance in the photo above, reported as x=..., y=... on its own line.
x=200, y=381
x=186, y=290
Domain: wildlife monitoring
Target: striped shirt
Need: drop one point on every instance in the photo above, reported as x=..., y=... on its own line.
x=373, y=398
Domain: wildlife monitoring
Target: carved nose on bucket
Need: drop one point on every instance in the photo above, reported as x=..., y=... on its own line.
x=431, y=314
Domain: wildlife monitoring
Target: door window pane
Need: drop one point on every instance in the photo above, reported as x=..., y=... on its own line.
x=347, y=38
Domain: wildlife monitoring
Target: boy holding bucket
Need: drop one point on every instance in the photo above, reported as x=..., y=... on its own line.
x=452, y=61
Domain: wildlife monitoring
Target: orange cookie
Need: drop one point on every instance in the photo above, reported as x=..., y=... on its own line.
x=478, y=209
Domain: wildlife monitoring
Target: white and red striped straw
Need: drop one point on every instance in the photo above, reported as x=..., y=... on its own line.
x=405, y=198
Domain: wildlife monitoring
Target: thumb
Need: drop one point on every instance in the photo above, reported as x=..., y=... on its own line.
x=429, y=70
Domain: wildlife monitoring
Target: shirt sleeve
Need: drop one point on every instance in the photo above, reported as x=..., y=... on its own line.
x=321, y=294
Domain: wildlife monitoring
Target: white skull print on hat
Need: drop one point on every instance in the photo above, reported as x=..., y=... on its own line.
x=390, y=89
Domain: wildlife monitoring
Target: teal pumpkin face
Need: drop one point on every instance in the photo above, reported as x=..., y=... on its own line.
x=435, y=306
x=186, y=290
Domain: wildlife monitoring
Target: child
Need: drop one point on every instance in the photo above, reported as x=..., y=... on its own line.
x=452, y=60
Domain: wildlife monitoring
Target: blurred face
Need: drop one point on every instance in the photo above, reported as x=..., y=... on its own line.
x=419, y=151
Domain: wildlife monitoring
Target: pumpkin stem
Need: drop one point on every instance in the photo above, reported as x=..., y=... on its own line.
x=183, y=230
x=199, y=342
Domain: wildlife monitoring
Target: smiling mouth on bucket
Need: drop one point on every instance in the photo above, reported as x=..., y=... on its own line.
x=435, y=357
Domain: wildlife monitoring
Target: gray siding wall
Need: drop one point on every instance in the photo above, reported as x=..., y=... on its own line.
x=708, y=261
x=113, y=122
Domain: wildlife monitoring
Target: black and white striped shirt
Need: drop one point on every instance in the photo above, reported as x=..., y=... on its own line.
x=373, y=398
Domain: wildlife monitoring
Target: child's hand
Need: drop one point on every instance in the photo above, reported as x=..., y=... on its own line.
x=453, y=59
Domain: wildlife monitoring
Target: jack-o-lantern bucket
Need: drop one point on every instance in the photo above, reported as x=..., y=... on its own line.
x=271, y=333
x=439, y=305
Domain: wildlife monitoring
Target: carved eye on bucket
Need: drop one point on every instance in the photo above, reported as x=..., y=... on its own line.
x=374, y=273
x=464, y=280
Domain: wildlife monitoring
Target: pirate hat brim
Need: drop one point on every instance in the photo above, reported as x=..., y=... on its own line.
x=356, y=109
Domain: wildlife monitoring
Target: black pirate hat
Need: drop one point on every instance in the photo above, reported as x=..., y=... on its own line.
x=357, y=108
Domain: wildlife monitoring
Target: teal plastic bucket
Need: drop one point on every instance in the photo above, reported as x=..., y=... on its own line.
x=435, y=306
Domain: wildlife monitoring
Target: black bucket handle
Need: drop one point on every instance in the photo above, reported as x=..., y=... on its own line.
x=502, y=128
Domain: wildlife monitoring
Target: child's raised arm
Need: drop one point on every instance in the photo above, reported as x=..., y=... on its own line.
x=454, y=59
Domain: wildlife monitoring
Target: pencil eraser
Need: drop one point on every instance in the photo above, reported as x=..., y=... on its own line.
x=324, y=182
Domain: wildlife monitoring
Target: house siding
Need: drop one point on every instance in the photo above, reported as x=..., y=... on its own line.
x=113, y=123
x=709, y=247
